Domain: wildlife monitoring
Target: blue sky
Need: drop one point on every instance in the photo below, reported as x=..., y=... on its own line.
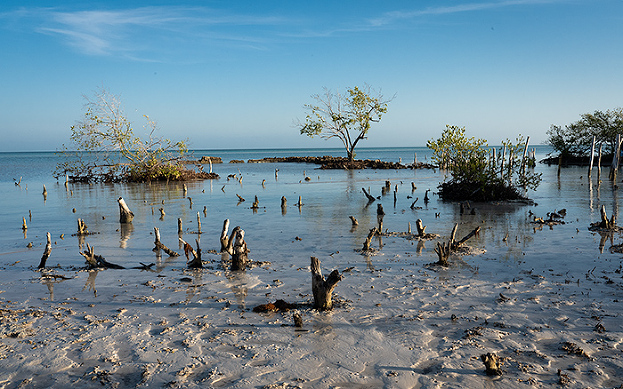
x=236, y=74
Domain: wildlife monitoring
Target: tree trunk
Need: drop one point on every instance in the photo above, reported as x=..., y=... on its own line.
x=125, y=215
x=196, y=262
x=224, y=238
x=321, y=288
x=239, y=257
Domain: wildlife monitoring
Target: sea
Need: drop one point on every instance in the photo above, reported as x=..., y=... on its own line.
x=287, y=236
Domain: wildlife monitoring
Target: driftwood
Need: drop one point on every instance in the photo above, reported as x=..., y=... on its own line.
x=195, y=262
x=239, y=257
x=300, y=203
x=604, y=223
x=24, y=226
x=82, y=228
x=46, y=252
x=97, y=261
x=354, y=221
x=492, y=363
x=368, y=241
x=198, y=223
x=443, y=250
x=160, y=246
x=323, y=288
x=179, y=226
x=368, y=195
x=125, y=215
x=256, y=203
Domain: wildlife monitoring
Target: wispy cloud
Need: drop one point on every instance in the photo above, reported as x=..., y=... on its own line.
x=144, y=31
x=395, y=16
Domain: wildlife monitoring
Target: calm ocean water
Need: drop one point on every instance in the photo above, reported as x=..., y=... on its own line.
x=321, y=227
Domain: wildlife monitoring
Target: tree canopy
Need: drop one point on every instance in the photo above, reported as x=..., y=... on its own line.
x=103, y=147
x=347, y=117
x=575, y=139
x=478, y=172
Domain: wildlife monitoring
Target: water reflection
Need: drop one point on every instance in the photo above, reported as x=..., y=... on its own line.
x=125, y=230
x=90, y=284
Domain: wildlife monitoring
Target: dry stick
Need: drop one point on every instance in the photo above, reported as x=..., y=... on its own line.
x=523, y=159
x=194, y=263
x=321, y=288
x=256, y=203
x=198, y=223
x=45, y=192
x=179, y=226
x=614, y=167
x=368, y=195
x=224, y=238
x=300, y=203
x=46, y=252
x=239, y=256
x=599, y=164
x=590, y=165
x=24, y=226
x=353, y=221
x=161, y=246
x=125, y=215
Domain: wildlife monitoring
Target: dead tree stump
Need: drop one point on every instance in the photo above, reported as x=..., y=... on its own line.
x=82, y=228
x=160, y=246
x=46, y=252
x=368, y=195
x=239, y=252
x=97, y=261
x=367, y=243
x=195, y=262
x=224, y=238
x=421, y=228
x=321, y=288
x=125, y=215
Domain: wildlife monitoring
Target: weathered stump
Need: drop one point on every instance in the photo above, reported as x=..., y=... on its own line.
x=97, y=261
x=224, y=239
x=421, y=228
x=367, y=243
x=195, y=262
x=125, y=215
x=239, y=252
x=368, y=195
x=323, y=288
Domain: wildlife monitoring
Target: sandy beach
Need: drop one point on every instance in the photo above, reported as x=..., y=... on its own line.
x=545, y=299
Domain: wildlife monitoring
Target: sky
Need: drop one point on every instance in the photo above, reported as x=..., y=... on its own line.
x=237, y=74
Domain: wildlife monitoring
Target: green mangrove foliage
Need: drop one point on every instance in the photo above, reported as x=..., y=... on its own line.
x=478, y=172
x=103, y=147
x=346, y=117
x=575, y=139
